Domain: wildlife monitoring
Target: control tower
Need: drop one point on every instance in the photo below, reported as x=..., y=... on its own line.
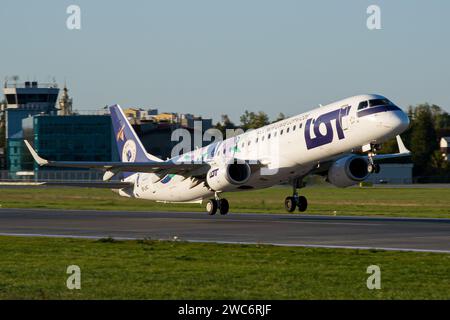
x=23, y=100
x=27, y=99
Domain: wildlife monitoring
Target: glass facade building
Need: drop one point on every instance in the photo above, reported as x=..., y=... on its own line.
x=74, y=138
x=62, y=138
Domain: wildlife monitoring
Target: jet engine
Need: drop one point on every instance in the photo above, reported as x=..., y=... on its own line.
x=348, y=171
x=228, y=177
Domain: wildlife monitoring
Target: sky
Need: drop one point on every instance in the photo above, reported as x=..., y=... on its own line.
x=211, y=57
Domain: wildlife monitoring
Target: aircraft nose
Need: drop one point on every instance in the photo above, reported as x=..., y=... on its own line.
x=399, y=121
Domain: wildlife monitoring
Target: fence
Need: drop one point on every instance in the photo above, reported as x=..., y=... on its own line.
x=52, y=175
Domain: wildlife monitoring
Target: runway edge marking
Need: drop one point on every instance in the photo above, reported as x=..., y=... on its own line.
x=230, y=242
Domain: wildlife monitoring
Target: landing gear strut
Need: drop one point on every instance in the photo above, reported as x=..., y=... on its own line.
x=217, y=204
x=373, y=167
x=296, y=201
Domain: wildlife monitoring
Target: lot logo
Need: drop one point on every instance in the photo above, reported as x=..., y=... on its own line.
x=322, y=129
x=129, y=151
x=213, y=173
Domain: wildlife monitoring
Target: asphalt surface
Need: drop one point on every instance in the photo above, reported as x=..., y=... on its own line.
x=278, y=229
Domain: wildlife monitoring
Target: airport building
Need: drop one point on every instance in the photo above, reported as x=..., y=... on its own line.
x=157, y=137
x=22, y=100
x=27, y=99
x=155, y=129
x=393, y=173
x=444, y=145
x=31, y=113
x=62, y=138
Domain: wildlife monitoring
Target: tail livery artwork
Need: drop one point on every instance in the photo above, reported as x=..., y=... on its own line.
x=328, y=141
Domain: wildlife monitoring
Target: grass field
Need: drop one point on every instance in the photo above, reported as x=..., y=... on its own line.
x=35, y=268
x=322, y=200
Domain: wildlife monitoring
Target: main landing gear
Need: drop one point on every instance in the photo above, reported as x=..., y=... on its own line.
x=217, y=204
x=296, y=201
x=373, y=167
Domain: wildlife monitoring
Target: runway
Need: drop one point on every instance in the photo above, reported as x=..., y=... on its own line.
x=432, y=235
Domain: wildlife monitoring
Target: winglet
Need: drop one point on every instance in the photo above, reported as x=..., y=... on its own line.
x=40, y=161
x=401, y=146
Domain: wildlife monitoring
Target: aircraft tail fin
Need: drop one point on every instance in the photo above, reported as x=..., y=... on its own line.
x=129, y=146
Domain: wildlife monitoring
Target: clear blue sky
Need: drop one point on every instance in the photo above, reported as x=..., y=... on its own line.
x=212, y=57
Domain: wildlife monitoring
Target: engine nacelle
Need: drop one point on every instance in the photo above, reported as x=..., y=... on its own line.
x=228, y=177
x=348, y=171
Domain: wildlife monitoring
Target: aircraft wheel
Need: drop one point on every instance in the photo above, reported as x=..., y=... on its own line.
x=371, y=168
x=224, y=206
x=290, y=204
x=211, y=207
x=302, y=204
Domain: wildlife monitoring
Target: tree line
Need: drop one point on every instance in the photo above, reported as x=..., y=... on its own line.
x=428, y=124
x=249, y=120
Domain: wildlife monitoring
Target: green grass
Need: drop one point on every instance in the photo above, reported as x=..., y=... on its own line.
x=35, y=268
x=322, y=200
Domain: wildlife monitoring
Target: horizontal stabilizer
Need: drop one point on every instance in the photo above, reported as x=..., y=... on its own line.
x=88, y=184
x=115, y=167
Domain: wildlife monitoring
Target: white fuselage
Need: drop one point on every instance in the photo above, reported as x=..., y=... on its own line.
x=286, y=149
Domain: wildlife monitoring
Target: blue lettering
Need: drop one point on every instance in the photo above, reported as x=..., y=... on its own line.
x=320, y=139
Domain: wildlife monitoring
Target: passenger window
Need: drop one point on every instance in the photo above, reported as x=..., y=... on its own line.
x=287, y=130
x=268, y=137
x=363, y=105
x=281, y=132
x=248, y=142
x=293, y=129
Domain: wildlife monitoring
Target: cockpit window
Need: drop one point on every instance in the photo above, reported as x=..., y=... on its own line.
x=363, y=105
x=379, y=102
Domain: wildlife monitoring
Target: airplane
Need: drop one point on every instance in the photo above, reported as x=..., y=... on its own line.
x=339, y=141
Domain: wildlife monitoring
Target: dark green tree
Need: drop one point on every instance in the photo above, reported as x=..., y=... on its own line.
x=225, y=124
x=280, y=117
x=423, y=141
x=251, y=120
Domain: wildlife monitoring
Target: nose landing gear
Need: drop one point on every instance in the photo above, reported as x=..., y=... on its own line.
x=373, y=167
x=296, y=201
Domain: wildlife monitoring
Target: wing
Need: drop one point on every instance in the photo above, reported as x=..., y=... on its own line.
x=403, y=153
x=401, y=156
